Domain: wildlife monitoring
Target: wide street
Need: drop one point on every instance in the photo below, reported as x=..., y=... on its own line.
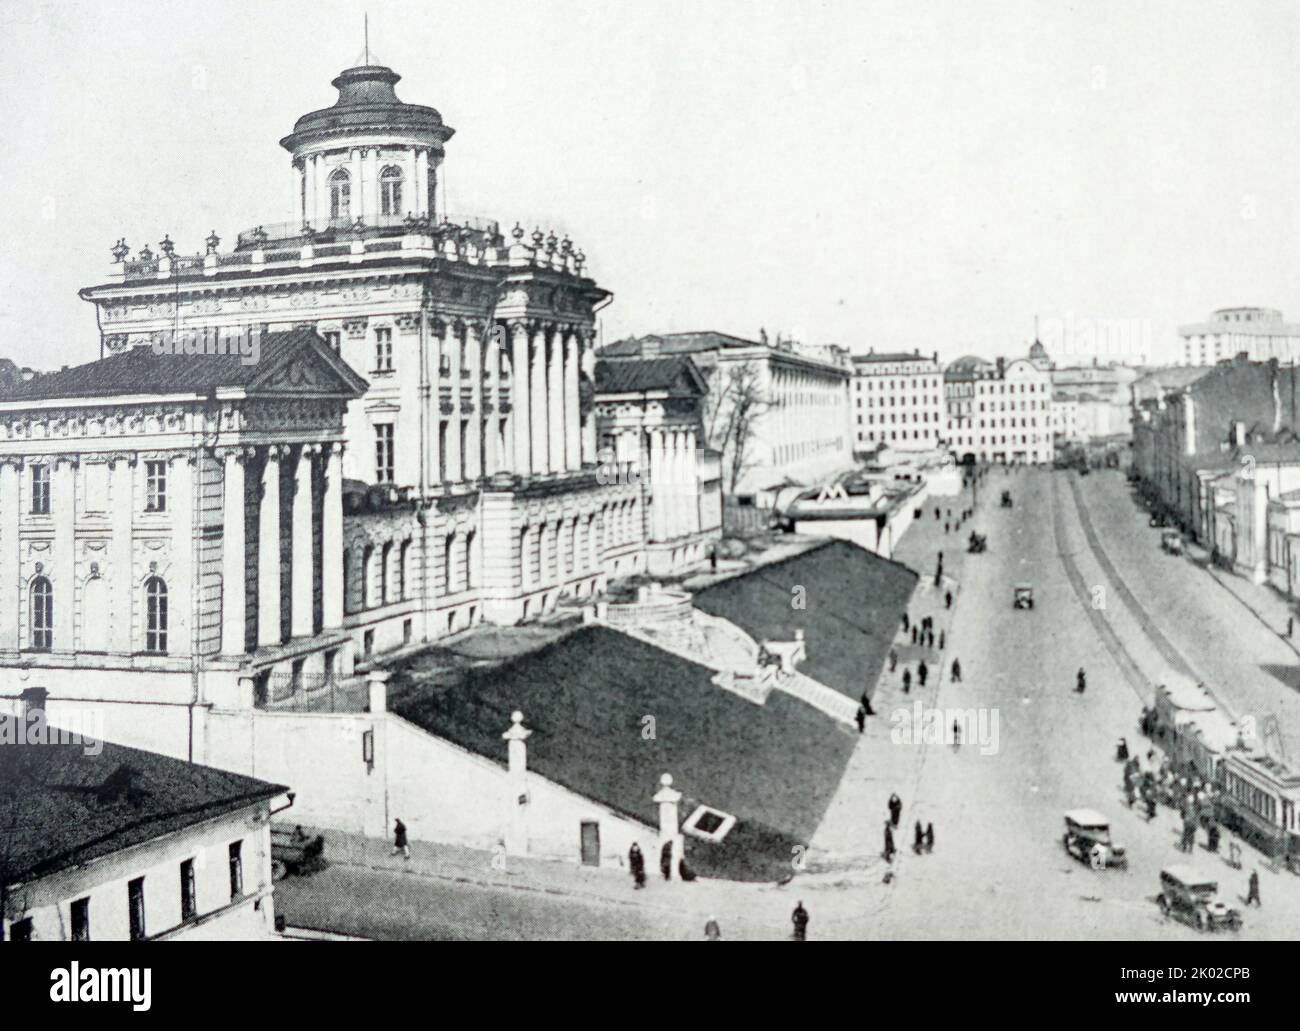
x=1106, y=599
x=1000, y=868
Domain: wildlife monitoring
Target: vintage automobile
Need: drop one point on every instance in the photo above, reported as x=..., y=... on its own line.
x=1006, y=499
x=1087, y=838
x=978, y=543
x=1157, y=519
x=1171, y=541
x=1191, y=897
x=1024, y=597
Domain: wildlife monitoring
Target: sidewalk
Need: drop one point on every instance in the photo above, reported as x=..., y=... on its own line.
x=850, y=840
x=1262, y=600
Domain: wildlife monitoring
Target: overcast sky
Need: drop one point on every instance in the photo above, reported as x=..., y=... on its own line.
x=893, y=175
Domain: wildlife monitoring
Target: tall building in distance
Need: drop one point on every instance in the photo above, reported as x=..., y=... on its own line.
x=1259, y=333
x=898, y=399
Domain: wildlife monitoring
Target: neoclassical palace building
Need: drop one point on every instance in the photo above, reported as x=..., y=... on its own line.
x=172, y=526
x=472, y=489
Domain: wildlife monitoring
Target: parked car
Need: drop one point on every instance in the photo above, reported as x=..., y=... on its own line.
x=1087, y=838
x=1171, y=541
x=1189, y=896
x=1023, y=598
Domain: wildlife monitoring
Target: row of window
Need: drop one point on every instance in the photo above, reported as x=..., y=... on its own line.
x=79, y=909
x=40, y=597
x=155, y=488
x=894, y=401
x=340, y=187
x=911, y=383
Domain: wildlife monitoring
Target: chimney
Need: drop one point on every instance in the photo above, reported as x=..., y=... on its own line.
x=1002, y=366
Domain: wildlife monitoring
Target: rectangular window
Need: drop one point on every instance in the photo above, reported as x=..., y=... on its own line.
x=189, y=892
x=236, y=870
x=383, y=350
x=21, y=930
x=384, y=452
x=80, y=912
x=334, y=338
x=155, y=497
x=135, y=897
x=40, y=490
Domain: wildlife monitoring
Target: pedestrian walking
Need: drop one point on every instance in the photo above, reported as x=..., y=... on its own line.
x=666, y=860
x=889, y=844
x=895, y=806
x=893, y=660
x=929, y=639
x=946, y=527
x=956, y=734
x=866, y=703
x=1080, y=681
x=922, y=672
x=712, y=932
x=1253, y=897
x=947, y=599
x=800, y=920
x=914, y=635
x=907, y=681
x=399, y=840
x=929, y=838
x=956, y=671
x=636, y=863
x=918, y=838
x=941, y=640
x=905, y=622
x=861, y=718
x=938, y=577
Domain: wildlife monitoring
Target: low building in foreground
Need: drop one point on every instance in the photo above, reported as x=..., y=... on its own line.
x=108, y=843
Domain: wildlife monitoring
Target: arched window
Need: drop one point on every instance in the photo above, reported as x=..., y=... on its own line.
x=340, y=194
x=390, y=190
x=347, y=580
x=471, y=564
x=368, y=577
x=386, y=556
x=449, y=563
x=155, y=608
x=42, y=614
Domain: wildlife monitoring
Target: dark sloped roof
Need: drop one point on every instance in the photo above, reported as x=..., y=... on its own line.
x=141, y=371
x=633, y=375
x=854, y=601
x=68, y=807
x=891, y=356
x=676, y=343
x=367, y=100
x=774, y=767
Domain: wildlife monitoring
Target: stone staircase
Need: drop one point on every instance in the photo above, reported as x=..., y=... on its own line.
x=819, y=696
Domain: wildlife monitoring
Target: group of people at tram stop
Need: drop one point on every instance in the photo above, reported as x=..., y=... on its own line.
x=1193, y=796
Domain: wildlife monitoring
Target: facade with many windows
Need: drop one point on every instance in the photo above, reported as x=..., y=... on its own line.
x=1258, y=333
x=146, y=848
x=898, y=399
x=999, y=411
x=178, y=519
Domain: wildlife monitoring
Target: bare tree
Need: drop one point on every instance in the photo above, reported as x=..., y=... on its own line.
x=732, y=414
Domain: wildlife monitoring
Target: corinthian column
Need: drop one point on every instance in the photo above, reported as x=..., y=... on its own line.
x=302, y=568
x=332, y=541
x=233, y=557
x=474, y=362
x=268, y=551
x=520, y=407
x=538, y=404
x=555, y=402
x=572, y=417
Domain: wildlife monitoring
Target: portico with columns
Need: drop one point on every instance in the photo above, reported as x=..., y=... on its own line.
x=173, y=537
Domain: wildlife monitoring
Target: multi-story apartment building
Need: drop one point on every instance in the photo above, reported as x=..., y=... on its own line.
x=898, y=399
x=1259, y=333
x=999, y=411
x=777, y=413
